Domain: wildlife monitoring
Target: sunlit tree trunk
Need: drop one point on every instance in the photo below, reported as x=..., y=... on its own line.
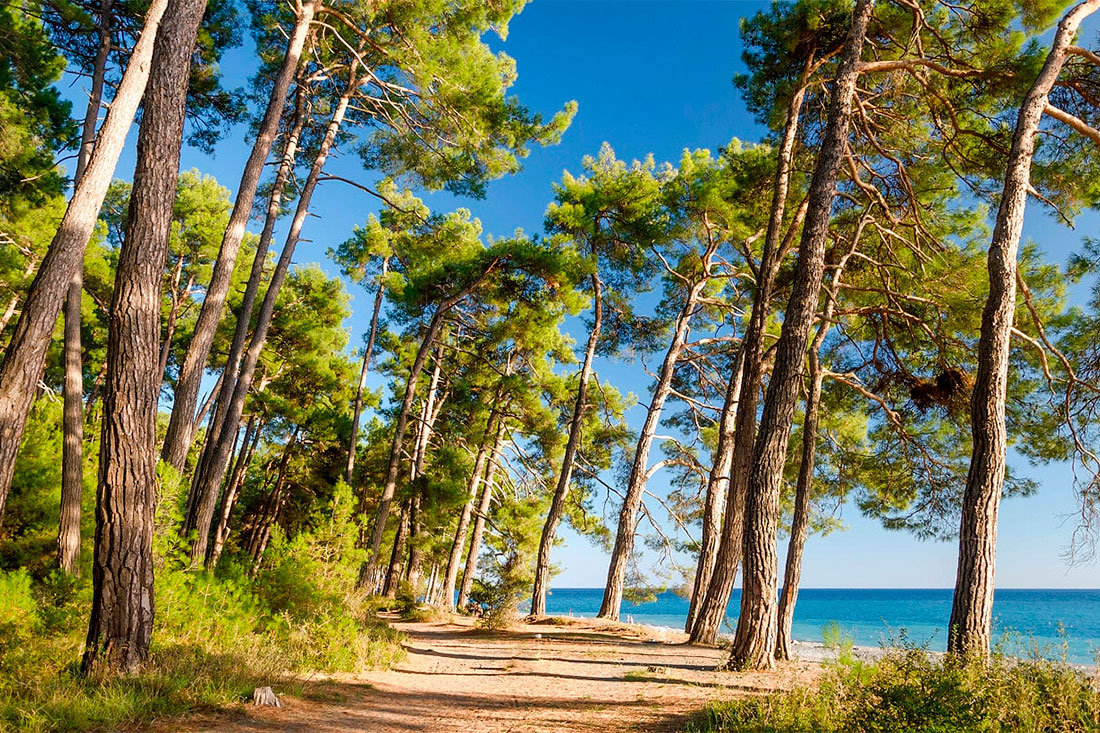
x=970, y=627
x=25, y=354
x=357, y=409
x=122, y=573
x=480, y=516
x=181, y=426
x=561, y=491
x=757, y=624
x=229, y=501
x=215, y=461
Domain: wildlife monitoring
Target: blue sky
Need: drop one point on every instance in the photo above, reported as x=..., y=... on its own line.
x=655, y=77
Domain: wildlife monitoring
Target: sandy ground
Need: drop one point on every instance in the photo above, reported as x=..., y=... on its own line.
x=585, y=676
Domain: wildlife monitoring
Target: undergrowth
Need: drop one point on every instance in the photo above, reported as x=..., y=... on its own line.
x=910, y=689
x=216, y=636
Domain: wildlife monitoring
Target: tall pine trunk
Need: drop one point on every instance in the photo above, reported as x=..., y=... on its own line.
x=459, y=543
x=181, y=425
x=215, y=459
x=754, y=642
x=561, y=490
x=72, y=447
x=25, y=354
x=970, y=627
x=482, y=514
x=122, y=573
x=251, y=438
x=714, y=502
x=639, y=472
x=357, y=408
x=711, y=610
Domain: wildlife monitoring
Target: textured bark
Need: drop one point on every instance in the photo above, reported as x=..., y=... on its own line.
x=970, y=627
x=122, y=574
x=72, y=446
x=711, y=610
x=393, y=570
x=459, y=543
x=357, y=408
x=25, y=355
x=478, y=530
x=639, y=469
x=754, y=642
x=215, y=456
x=229, y=501
x=561, y=490
x=368, y=573
x=714, y=504
x=792, y=571
x=181, y=425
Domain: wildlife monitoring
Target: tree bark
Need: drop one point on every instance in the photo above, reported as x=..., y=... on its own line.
x=229, y=501
x=25, y=355
x=122, y=574
x=561, y=490
x=715, y=501
x=216, y=452
x=357, y=409
x=72, y=447
x=398, y=551
x=639, y=476
x=754, y=642
x=970, y=627
x=181, y=425
x=482, y=513
x=711, y=611
x=459, y=543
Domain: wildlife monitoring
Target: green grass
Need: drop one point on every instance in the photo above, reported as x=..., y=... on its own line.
x=912, y=690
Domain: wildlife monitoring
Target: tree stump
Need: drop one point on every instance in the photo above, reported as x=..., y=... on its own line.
x=265, y=696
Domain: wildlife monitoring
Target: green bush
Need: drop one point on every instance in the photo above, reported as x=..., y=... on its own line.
x=912, y=690
x=499, y=591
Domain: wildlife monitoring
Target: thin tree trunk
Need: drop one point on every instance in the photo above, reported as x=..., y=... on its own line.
x=715, y=502
x=970, y=627
x=122, y=574
x=459, y=543
x=357, y=410
x=212, y=469
x=639, y=475
x=221, y=532
x=431, y=412
x=181, y=425
x=273, y=506
x=711, y=611
x=482, y=513
x=25, y=354
x=561, y=490
x=173, y=316
x=754, y=642
x=398, y=551
x=72, y=447
x=369, y=571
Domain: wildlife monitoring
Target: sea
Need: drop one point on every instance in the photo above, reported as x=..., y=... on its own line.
x=1054, y=624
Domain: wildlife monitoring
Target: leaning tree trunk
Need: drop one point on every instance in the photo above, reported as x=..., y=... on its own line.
x=792, y=571
x=639, y=469
x=181, y=425
x=389, y=587
x=451, y=574
x=478, y=530
x=223, y=390
x=122, y=574
x=25, y=354
x=357, y=408
x=711, y=609
x=72, y=446
x=754, y=642
x=208, y=477
x=561, y=491
x=714, y=503
x=252, y=433
x=970, y=627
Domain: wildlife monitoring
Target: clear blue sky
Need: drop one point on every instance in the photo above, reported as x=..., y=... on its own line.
x=654, y=77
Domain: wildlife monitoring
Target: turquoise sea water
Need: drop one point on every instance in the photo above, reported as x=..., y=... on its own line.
x=1043, y=619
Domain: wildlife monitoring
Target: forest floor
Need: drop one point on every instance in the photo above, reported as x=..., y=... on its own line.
x=559, y=675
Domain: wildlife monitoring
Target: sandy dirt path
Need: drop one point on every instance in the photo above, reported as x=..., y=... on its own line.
x=545, y=677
